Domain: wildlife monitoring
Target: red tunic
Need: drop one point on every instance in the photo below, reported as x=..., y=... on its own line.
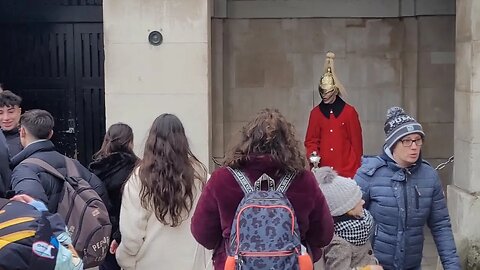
x=337, y=140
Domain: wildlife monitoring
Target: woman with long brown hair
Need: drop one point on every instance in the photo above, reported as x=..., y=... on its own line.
x=113, y=164
x=267, y=145
x=158, y=200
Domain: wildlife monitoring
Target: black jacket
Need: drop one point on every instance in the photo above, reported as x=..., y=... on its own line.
x=114, y=170
x=35, y=181
x=13, y=141
x=5, y=172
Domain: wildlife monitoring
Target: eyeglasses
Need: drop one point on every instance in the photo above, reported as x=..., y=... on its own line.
x=409, y=142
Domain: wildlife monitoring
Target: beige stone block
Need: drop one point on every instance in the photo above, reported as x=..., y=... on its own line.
x=410, y=39
x=438, y=141
x=436, y=33
x=431, y=75
x=410, y=69
x=466, y=170
x=463, y=66
x=463, y=207
x=249, y=70
x=303, y=76
x=410, y=101
x=374, y=103
x=467, y=117
x=179, y=21
x=317, y=36
x=463, y=16
x=436, y=105
x=140, y=68
x=239, y=104
x=376, y=37
x=374, y=72
x=475, y=20
x=256, y=36
x=475, y=79
x=218, y=145
x=278, y=71
x=139, y=111
x=373, y=137
x=263, y=70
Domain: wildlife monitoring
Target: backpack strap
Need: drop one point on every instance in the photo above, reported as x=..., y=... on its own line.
x=241, y=179
x=72, y=170
x=285, y=182
x=47, y=167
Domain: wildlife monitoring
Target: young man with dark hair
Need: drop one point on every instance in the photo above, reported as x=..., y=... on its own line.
x=10, y=112
x=36, y=129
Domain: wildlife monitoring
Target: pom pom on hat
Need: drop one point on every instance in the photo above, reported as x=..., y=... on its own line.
x=342, y=194
x=325, y=175
x=394, y=112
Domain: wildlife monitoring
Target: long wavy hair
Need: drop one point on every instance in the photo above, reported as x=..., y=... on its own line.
x=118, y=138
x=168, y=171
x=269, y=133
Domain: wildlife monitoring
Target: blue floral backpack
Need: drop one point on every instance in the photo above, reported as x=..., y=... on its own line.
x=265, y=232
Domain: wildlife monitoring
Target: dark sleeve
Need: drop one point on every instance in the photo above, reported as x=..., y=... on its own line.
x=5, y=172
x=26, y=181
x=206, y=226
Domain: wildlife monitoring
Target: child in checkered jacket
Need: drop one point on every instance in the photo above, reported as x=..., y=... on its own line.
x=350, y=247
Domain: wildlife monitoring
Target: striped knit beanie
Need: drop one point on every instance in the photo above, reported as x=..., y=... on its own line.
x=398, y=125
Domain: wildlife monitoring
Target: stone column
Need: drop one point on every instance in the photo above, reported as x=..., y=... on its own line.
x=463, y=195
x=143, y=81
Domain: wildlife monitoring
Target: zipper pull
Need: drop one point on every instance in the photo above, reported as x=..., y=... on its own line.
x=418, y=191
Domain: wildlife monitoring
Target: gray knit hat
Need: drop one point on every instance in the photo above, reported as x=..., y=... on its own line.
x=398, y=125
x=342, y=194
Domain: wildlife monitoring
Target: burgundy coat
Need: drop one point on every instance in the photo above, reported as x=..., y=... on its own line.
x=213, y=217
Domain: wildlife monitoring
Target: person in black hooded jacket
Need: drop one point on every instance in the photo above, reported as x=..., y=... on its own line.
x=113, y=164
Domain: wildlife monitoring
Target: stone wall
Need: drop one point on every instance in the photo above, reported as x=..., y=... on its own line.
x=143, y=81
x=277, y=63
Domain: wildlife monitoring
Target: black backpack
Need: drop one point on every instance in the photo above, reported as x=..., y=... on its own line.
x=27, y=239
x=84, y=213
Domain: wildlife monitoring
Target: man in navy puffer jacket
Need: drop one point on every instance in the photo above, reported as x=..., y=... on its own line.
x=403, y=193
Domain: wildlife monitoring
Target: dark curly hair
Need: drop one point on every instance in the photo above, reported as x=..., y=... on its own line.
x=269, y=133
x=168, y=171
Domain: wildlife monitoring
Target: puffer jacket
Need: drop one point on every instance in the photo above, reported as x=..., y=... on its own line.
x=33, y=180
x=402, y=201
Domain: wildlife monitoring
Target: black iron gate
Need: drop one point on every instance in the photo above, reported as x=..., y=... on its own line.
x=58, y=66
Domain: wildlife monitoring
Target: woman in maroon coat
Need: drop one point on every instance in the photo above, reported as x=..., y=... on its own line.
x=267, y=145
x=334, y=130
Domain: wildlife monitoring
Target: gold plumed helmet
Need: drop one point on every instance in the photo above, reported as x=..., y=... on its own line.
x=329, y=81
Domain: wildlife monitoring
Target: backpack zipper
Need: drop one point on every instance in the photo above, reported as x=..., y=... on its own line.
x=266, y=254
x=72, y=201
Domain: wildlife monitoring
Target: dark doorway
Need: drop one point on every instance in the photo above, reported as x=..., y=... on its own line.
x=51, y=54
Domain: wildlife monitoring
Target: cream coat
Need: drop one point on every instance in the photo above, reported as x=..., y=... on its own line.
x=148, y=244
